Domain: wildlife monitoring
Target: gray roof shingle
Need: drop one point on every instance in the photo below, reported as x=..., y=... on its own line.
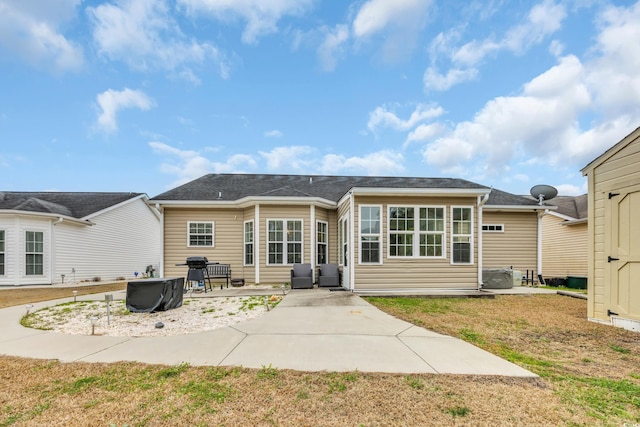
x=502, y=198
x=231, y=187
x=75, y=205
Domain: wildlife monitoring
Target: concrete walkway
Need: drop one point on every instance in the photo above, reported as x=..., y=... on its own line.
x=310, y=330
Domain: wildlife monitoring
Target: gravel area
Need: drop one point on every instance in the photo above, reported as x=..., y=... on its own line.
x=195, y=315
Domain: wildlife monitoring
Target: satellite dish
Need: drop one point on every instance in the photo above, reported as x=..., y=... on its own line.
x=543, y=192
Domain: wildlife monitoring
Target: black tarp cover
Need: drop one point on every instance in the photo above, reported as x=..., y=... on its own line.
x=149, y=295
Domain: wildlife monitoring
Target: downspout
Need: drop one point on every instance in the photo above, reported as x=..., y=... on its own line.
x=481, y=202
x=312, y=241
x=352, y=206
x=256, y=245
x=52, y=267
x=539, y=251
x=160, y=211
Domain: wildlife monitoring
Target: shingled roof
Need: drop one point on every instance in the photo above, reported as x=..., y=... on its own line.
x=232, y=187
x=572, y=206
x=502, y=198
x=75, y=205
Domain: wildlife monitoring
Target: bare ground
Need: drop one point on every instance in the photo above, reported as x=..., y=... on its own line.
x=590, y=374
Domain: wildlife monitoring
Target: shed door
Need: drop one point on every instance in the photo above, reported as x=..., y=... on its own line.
x=625, y=246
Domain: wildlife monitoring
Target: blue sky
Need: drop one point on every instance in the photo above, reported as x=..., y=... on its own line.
x=144, y=95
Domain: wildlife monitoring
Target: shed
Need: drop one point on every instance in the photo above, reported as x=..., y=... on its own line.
x=614, y=234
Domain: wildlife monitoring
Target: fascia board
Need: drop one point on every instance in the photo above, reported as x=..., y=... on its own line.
x=65, y=218
x=575, y=221
x=518, y=208
x=442, y=192
x=246, y=202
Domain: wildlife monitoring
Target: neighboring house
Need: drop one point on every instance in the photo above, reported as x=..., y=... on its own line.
x=386, y=233
x=512, y=233
x=565, y=242
x=614, y=234
x=83, y=236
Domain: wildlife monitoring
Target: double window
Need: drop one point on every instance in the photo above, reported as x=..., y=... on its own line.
x=322, y=241
x=284, y=241
x=370, y=234
x=248, y=243
x=34, y=253
x=416, y=231
x=200, y=234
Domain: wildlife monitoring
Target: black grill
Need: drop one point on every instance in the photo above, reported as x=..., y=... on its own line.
x=198, y=270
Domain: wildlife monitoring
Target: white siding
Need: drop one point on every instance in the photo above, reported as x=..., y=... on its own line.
x=124, y=240
x=15, y=227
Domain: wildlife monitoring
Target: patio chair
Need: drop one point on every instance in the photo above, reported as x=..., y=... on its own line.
x=328, y=275
x=301, y=277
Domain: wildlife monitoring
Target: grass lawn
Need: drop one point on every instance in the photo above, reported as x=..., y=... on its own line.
x=590, y=375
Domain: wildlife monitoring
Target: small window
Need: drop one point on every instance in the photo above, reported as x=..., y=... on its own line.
x=34, y=253
x=493, y=228
x=200, y=234
x=2, y=252
x=322, y=239
x=462, y=235
x=370, y=234
x=248, y=243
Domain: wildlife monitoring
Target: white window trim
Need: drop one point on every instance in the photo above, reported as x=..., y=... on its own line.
x=42, y=254
x=501, y=230
x=244, y=242
x=471, y=240
x=416, y=232
x=361, y=235
x=284, y=241
x=326, y=242
x=213, y=234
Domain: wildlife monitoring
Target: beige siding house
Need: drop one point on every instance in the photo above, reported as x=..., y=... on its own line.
x=55, y=237
x=565, y=240
x=385, y=233
x=614, y=234
x=511, y=233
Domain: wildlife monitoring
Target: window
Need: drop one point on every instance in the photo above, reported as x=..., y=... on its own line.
x=370, y=231
x=248, y=243
x=421, y=237
x=2, y=252
x=34, y=252
x=493, y=228
x=200, y=234
x=284, y=241
x=322, y=241
x=461, y=235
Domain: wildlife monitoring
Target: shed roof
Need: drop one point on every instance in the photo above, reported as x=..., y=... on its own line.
x=631, y=137
x=71, y=204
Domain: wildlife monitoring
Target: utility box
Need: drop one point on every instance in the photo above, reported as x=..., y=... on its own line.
x=498, y=278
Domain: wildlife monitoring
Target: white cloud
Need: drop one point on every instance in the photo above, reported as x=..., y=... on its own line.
x=290, y=159
x=569, y=190
x=261, y=16
x=333, y=46
x=543, y=19
x=187, y=165
x=31, y=30
x=424, y=133
x=376, y=15
x=111, y=101
x=143, y=34
x=275, y=133
x=399, y=22
x=381, y=117
x=381, y=163
x=433, y=80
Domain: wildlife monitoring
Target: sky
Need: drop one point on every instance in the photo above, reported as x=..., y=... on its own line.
x=146, y=95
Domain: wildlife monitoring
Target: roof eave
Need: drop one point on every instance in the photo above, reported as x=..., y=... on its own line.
x=47, y=215
x=246, y=202
x=518, y=208
x=443, y=192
